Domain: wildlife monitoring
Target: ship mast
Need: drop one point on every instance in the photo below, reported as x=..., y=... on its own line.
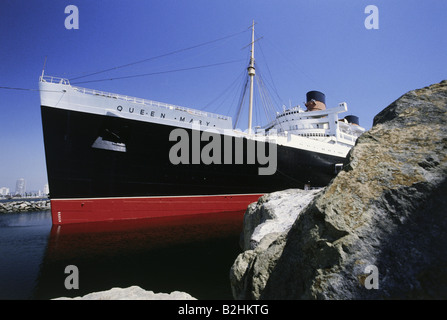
x=251, y=73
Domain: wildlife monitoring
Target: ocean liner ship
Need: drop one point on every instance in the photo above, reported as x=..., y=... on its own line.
x=113, y=157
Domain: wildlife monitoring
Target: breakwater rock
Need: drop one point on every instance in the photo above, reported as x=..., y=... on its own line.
x=132, y=293
x=24, y=206
x=273, y=213
x=378, y=230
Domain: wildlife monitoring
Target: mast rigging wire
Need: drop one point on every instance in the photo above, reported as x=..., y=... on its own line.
x=209, y=104
x=27, y=89
x=159, y=56
x=241, y=101
x=160, y=72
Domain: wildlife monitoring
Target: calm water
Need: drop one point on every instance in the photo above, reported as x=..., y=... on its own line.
x=193, y=255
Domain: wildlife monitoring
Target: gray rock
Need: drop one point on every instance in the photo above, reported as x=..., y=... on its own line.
x=386, y=209
x=251, y=270
x=131, y=293
x=274, y=212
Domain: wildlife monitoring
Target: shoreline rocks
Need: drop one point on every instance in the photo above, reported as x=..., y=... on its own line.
x=24, y=206
x=379, y=229
x=131, y=293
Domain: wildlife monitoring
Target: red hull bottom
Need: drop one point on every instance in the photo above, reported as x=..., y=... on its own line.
x=65, y=211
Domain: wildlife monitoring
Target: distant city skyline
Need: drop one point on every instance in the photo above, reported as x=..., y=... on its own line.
x=22, y=190
x=12, y=187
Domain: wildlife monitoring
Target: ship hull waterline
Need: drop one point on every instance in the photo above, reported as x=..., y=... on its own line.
x=104, y=168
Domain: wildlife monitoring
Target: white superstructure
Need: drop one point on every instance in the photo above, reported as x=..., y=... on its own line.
x=320, y=125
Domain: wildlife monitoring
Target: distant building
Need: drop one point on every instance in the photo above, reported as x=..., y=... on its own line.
x=20, y=187
x=4, y=191
x=46, y=189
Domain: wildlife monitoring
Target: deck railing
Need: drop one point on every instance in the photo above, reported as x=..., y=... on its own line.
x=52, y=79
x=146, y=102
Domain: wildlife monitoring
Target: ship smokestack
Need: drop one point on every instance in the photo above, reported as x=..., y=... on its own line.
x=315, y=100
x=353, y=120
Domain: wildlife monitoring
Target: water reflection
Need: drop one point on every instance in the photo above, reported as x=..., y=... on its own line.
x=23, y=241
x=192, y=254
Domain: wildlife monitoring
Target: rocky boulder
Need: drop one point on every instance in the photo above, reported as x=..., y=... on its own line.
x=132, y=293
x=379, y=229
x=272, y=213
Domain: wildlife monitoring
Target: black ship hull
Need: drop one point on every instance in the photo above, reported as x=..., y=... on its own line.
x=94, y=157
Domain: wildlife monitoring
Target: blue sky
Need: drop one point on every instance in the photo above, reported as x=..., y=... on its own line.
x=305, y=45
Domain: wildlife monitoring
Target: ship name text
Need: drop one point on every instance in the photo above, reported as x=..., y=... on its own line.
x=160, y=115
